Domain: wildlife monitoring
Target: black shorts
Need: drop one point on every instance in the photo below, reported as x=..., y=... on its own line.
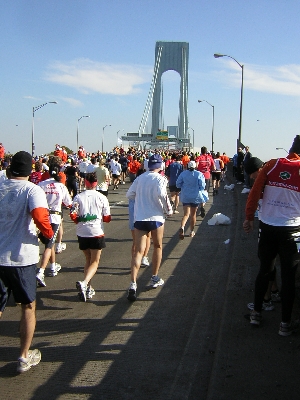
x=115, y=176
x=21, y=281
x=216, y=176
x=82, y=174
x=94, y=243
x=174, y=188
x=49, y=243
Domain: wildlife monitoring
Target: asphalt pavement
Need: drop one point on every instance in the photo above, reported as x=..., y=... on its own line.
x=188, y=339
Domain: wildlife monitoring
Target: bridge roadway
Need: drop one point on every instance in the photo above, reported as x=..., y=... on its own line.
x=186, y=340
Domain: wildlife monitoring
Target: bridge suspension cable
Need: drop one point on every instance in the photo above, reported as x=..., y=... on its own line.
x=151, y=91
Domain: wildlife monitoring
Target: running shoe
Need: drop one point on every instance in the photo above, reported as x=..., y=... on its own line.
x=266, y=306
x=54, y=271
x=40, y=280
x=156, y=281
x=276, y=297
x=24, y=364
x=145, y=262
x=176, y=211
x=286, y=329
x=202, y=212
x=255, y=318
x=60, y=247
x=192, y=234
x=82, y=288
x=181, y=233
x=131, y=294
x=90, y=292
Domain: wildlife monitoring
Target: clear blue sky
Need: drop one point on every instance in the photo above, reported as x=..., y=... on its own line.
x=97, y=57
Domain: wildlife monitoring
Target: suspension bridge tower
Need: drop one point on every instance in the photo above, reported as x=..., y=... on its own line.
x=168, y=56
x=171, y=56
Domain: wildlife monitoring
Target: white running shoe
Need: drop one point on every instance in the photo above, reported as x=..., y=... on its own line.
x=145, y=262
x=82, y=288
x=131, y=293
x=156, y=281
x=90, y=292
x=60, y=247
x=40, y=280
x=54, y=271
x=24, y=364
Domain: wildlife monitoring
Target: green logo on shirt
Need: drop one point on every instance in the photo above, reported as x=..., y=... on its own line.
x=285, y=175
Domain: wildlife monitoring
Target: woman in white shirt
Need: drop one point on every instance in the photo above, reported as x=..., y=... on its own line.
x=89, y=210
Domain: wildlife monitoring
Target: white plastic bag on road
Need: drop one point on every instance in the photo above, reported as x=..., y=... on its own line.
x=245, y=190
x=229, y=187
x=219, y=219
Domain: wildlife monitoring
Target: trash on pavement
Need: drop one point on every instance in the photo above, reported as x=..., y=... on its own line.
x=227, y=241
x=229, y=187
x=219, y=219
x=245, y=190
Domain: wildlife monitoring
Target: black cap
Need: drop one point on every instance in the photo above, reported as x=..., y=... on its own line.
x=253, y=165
x=296, y=145
x=21, y=164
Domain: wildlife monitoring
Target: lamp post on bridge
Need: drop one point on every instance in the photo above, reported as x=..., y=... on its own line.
x=34, y=109
x=77, y=136
x=281, y=148
x=217, y=55
x=193, y=137
x=213, y=123
x=120, y=130
x=103, y=136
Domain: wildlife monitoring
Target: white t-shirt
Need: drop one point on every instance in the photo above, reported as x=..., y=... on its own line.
x=82, y=166
x=56, y=194
x=115, y=167
x=90, y=206
x=151, y=199
x=18, y=239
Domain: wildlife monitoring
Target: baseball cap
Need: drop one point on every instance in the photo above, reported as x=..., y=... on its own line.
x=155, y=162
x=192, y=165
x=21, y=164
x=253, y=165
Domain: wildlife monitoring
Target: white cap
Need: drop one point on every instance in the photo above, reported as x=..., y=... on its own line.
x=192, y=164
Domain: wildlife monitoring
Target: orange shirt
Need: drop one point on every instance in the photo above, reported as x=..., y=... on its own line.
x=134, y=166
x=185, y=160
x=225, y=159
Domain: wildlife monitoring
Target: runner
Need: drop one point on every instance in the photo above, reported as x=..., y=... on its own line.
x=192, y=185
x=149, y=191
x=24, y=202
x=89, y=210
x=56, y=194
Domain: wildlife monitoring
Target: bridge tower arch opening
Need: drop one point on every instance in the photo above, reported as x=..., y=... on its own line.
x=171, y=56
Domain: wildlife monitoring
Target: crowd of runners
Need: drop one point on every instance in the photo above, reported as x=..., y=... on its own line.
x=41, y=188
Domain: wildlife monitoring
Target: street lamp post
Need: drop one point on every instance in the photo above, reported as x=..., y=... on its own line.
x=281, y=148
x=103, y=136
x=213, y=123
x=193, y=137
x=77, y=136
x=34, y=109
x=242, y=88
x=120, y=130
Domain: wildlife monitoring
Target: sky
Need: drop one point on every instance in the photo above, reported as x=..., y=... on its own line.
x=96, y=58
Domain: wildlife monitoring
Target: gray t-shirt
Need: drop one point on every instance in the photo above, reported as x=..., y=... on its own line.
x=18, y=239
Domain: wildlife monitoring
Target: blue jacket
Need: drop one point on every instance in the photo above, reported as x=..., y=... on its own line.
x=192, y=185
